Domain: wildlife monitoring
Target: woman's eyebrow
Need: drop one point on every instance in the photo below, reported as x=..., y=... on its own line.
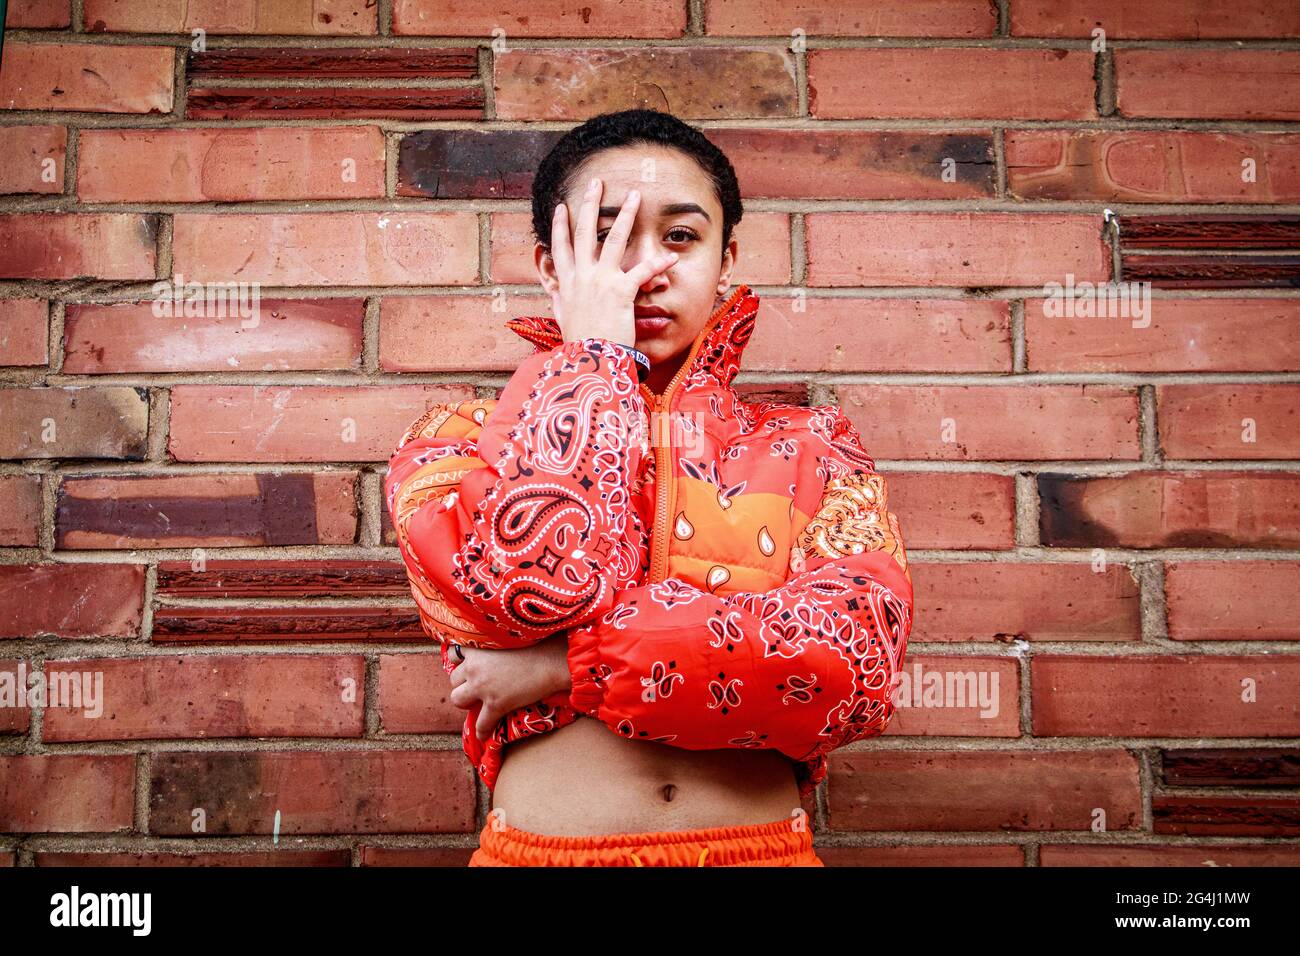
x=672, y=209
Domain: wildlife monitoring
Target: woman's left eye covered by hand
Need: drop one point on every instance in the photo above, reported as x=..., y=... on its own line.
x=686, y=234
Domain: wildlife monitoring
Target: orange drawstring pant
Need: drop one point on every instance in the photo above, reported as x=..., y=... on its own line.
x=786, y=842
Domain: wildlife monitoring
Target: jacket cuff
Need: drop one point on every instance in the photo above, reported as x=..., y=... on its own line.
x=584, y=671
x=615, y=353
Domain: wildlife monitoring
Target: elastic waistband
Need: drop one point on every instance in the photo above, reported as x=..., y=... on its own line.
x=785, y=842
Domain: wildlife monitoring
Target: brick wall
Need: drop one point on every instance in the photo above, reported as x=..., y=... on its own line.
x=1104, y=515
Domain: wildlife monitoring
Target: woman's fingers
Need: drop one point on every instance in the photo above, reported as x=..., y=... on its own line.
x=561, y=245
x=462, y=697
x=487, y=719
x=611, y=253
x=584, y=237
x=643, y=271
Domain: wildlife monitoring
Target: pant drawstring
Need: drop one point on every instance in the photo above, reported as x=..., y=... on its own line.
x=637, y=860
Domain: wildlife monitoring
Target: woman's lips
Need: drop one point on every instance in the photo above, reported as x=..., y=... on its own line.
x=651, y=324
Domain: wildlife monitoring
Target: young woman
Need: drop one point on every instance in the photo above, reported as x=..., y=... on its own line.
x=671, y=604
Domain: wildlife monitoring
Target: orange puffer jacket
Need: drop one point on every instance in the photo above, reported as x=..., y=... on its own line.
x=729, y=573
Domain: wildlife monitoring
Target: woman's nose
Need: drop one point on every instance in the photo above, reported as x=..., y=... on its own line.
x=641, y=250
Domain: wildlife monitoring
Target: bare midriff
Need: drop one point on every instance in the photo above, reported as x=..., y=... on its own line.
x=583, y=779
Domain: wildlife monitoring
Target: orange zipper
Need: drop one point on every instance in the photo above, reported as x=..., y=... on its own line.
x=664, y=478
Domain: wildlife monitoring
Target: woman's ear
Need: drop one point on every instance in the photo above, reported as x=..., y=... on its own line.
x=545, y=266
x=728, y=264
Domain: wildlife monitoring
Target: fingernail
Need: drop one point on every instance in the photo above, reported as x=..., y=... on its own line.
x=592, y=184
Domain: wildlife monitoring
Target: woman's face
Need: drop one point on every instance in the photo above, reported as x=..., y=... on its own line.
x=679, y=212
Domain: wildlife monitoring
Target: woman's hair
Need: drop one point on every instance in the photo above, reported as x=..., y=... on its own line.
x=559, y=168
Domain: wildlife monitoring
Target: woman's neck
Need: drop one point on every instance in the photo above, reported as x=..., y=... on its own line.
x=662, y=373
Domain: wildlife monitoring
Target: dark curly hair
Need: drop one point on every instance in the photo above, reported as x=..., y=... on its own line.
x=558, y=169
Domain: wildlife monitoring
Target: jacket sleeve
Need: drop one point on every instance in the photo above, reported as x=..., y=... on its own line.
x=513, y=516
x=804, y=668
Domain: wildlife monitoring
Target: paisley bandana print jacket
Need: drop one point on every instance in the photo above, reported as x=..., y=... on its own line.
x=728, y=573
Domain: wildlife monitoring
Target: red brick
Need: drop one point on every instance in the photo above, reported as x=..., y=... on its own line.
x=442, y=856
x=15, y=715
x=454, y=332
x=1156, y=19
x=999, y=601
x=20, y=510
x=859, y=164
x=950, y=83
x=74, y=422
x=838, y=334
x=764, y=239
x=1165, y=696
x=414, y=104
x=1214, y=815
x=24, y=332
x=916, y=854
x=292, y=423
x=248, y=858
x=958, y=697
x=67, y=793
x=353, y=791
x=74, y=601
x=334, y=62
x=1183, y=335
x=268, y=509
x=85, y=77
x=106, y=245
x=1208, y=84
x=230, y=165
x=331, y=17
x=1233, y=600
x=953, y=510
x=995, y=422
x=471, y=163
x=1165, y=166
x=413, y=695
x=1254, y=766
x=222, y=695
x=344, y=248
x=1205, y=420
x=886, y=18
x=31, y=159
x=287, y=624
x=603, y=19
x=953, y=248
x=283, y=335
x=1000, y=790
x=1149, y=855
x=1171, y=509
x=564, y=83
x=38, y=14
x=273, y=577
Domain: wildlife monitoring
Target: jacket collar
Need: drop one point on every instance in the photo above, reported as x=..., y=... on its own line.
x=718, y=347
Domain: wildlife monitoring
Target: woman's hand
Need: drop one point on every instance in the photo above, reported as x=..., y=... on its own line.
x=595, y=295
x=503, y=680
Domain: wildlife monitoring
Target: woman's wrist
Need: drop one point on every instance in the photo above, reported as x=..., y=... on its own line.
x=562, y=680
